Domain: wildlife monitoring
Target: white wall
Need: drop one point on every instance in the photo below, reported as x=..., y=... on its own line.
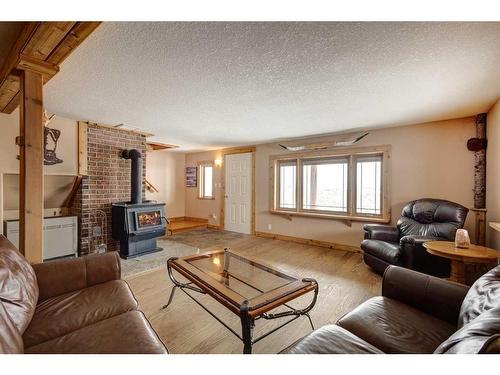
x=67, y=150
x=427, y=161
x=165, y=170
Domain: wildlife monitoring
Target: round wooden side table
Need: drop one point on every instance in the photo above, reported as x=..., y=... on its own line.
x=458, y=257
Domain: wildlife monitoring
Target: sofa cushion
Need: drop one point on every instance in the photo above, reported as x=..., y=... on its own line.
x=395, y=327
x=128, y=333
x=63, y=314
x=331, y=339
x=388, y=251
x=483, y=295
x=11, y=341
x=18, y=285
x=481, y=335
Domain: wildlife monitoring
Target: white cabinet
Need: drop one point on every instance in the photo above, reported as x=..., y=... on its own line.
x=60, y=236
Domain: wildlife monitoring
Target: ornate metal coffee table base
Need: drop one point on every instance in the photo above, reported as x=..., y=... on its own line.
x=247, y=321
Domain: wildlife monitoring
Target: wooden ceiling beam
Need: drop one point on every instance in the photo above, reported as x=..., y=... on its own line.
x=79, y=32
x=41, y=47
x=11, y=60
x=46, y=38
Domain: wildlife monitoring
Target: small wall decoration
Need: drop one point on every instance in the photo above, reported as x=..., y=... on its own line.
x=50, y=139
x=191, y=176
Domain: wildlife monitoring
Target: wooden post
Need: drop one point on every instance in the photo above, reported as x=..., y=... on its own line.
x=31, y=167
x=480, y=224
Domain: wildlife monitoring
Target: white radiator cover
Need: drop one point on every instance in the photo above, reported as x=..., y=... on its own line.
x=60, y=236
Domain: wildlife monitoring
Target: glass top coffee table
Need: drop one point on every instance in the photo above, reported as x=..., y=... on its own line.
x=247, y=287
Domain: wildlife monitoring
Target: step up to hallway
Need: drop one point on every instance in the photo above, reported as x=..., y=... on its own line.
x=185, y=224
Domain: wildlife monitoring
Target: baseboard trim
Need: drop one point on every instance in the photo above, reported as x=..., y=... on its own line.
x=213, y=226
x=305, y=241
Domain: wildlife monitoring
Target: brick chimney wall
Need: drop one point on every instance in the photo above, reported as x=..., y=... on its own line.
x=107, y=182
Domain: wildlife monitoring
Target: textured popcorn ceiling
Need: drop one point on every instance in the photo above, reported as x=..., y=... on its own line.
x=207, y=85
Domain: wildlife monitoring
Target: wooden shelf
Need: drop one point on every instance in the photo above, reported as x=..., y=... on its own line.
x=495, y=226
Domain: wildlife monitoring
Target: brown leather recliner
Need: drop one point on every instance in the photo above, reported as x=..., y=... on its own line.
x=416, y=313
x=421, y=220
x=69, y=306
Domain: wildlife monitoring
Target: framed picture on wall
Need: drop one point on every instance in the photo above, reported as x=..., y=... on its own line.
x=191, y=176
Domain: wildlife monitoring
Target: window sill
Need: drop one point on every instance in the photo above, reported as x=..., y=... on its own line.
x=206, y=199
x=384, y=220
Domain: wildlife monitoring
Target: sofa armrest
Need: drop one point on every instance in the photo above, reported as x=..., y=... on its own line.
x=435, y=296
x=381, y=232
x=67, y=275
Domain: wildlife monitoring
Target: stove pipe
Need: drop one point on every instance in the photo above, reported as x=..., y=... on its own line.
x=135, y=174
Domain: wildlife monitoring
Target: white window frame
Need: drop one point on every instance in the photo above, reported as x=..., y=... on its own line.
x=201, y=180
x=351, y=154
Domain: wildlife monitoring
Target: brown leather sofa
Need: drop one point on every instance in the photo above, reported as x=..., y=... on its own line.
x=69, y=306
x=416, y=313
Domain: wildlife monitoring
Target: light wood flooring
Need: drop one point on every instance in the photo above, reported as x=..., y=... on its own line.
x=344, y=280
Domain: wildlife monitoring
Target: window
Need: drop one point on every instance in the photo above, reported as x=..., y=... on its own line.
x=324, y=184
x=206, y=171
x=347, y=184
x=369, y=185
x=288, y=181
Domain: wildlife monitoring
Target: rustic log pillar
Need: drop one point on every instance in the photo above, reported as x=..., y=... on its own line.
x=478, y=145
x=480, y=164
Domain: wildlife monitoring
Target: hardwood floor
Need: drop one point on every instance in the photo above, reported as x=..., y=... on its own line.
x=344, y=280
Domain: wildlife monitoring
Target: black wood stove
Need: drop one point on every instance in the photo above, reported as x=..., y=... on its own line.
x=137, y=224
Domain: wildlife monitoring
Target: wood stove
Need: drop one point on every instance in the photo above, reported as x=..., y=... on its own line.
x=137, y=224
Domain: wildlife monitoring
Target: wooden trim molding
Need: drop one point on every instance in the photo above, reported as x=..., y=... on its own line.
x=230, y=151
x=71, y=197
x=150, y=187
x=82, y=148
x=305, y=241
x=201, y=179
x=157, y=146
x=369, y=219
x=495, y=226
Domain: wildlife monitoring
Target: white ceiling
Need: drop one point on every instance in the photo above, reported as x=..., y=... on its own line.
x=207, y=85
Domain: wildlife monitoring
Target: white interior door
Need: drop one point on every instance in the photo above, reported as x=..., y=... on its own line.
x=238, y=193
